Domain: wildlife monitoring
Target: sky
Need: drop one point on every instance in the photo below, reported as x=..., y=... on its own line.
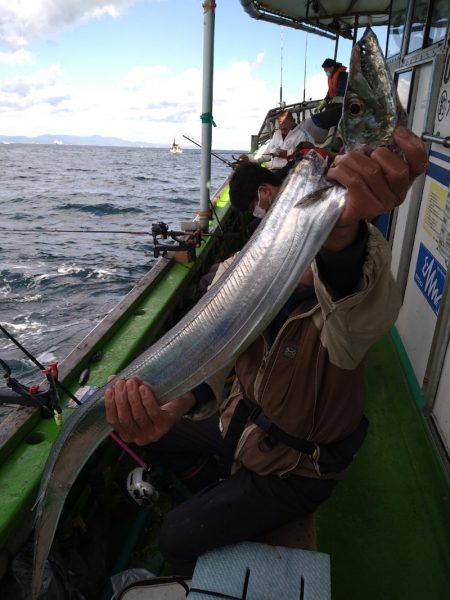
x=133, y=69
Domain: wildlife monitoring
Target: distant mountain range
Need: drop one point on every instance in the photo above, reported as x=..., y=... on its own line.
x=92, y=140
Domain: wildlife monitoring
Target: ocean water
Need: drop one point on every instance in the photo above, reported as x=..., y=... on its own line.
x=55, y=287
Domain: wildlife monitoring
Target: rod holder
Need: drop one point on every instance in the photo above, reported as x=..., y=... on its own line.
x=436, y=139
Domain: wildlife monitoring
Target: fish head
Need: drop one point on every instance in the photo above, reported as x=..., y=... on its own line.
x=372, y=109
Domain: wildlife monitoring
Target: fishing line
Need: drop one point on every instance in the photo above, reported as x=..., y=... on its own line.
x=204, y=233
x=113, y=435
x=224, y=160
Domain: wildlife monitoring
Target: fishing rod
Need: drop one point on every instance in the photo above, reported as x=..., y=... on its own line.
x=282, y=104
x=42, y=230
x=227, y=162
x=187, y=241
x=154, y=231
x=304, y=69
x=52, y=376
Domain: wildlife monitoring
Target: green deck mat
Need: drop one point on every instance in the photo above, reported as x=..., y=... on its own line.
x=387, y=525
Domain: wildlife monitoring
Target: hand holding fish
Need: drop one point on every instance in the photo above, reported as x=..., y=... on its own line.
x=377, y=183
x=134, y=413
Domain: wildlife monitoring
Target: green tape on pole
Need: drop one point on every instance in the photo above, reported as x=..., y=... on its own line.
x=208, y=118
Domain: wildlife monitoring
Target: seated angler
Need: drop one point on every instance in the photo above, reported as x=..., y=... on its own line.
x=306, y=374
x=285, y=139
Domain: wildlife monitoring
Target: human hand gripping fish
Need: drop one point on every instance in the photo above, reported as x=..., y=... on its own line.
x=382, y=157
x=244, y=301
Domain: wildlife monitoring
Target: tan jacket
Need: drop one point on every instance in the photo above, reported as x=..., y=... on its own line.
x=311, y=382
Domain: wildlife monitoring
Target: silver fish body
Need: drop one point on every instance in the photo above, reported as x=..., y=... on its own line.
x=223, y=323
x=235, y=310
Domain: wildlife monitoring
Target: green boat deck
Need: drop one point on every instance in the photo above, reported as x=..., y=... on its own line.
x=387, y=525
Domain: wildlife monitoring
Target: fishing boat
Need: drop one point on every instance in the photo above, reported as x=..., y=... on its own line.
x=387, y=526
x=175, y=148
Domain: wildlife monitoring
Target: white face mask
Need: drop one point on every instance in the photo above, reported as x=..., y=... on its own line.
x=259, y=212
x=328, y=73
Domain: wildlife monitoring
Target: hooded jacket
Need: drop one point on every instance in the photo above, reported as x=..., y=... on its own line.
x=310, y=380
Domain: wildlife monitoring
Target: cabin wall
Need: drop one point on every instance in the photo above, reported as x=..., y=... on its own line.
x=420, y=236
x=441, y=408
x=439, y=367
x=417, y=320
x=418, y=117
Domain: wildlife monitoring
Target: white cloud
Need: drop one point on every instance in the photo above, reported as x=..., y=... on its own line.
x=28, y=104
x=150, y=104
x=25, y=20
x=316, y=86
x=18, y=57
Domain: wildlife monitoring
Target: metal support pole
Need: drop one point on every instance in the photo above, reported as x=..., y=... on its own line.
x=207, y=97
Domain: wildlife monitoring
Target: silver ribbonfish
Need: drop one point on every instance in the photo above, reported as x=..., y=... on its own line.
x=245, y=300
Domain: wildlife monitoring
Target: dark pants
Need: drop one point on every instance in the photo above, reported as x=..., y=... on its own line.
x=239, y=508
x=329, y=117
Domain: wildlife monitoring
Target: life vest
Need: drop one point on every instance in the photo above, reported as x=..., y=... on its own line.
x=333, y=82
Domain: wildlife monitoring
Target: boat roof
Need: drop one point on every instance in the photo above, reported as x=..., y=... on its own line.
x=328, y=18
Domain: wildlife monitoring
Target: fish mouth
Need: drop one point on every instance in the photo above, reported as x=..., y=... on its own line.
x=365, y=62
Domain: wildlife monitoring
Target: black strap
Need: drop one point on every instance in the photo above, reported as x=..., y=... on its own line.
x=274, y=432
x=327, y=458
x=203, y=395
x=247, y=409
x=235, y=428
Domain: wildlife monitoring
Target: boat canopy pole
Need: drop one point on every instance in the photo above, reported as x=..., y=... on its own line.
x=209, y=7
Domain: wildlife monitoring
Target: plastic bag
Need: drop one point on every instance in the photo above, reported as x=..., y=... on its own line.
x=124, y=578
x=56, y=585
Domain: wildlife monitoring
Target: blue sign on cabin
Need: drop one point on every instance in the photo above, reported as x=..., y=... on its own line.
x=430, y=277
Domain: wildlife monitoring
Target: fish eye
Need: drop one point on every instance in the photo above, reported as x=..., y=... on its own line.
x=355, y=108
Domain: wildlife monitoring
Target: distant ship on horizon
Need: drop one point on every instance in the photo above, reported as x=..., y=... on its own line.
x=175, y=148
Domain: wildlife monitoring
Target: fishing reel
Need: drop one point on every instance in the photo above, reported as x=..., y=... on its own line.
x=186, y=241
x=22, y=395
x=141, y=488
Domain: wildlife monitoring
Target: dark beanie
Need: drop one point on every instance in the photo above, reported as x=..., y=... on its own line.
x=328, y=62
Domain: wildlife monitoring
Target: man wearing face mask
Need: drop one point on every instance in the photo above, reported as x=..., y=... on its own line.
x=328, y=112
x=252, y=188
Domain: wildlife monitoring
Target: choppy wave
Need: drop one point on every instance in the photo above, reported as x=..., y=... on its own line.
x=105, y=208
x=55, y=287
